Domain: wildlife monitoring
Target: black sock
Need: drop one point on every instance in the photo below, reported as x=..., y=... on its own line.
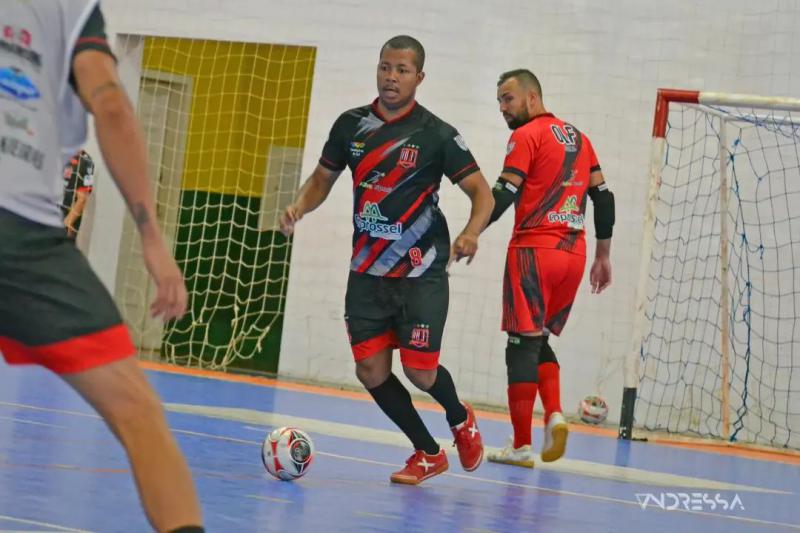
x=189, y=529
x=394, y=400
x=444, y=392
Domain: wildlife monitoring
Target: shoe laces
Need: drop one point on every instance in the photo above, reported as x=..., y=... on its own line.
x=416, y=456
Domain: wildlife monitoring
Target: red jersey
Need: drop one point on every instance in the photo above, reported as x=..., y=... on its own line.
x=554, y=160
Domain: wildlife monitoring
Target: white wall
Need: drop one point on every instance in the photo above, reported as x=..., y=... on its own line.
x=600, y=64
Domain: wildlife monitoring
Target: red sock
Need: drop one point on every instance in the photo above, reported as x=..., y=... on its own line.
x=521, y=397
x=549, y=389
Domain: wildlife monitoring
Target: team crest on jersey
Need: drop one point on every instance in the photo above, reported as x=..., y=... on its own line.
x=408, y=156
x=372, y=220
x=568, y=214
x=420, y=336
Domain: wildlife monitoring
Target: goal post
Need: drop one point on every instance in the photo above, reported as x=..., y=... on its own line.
x=715, y=347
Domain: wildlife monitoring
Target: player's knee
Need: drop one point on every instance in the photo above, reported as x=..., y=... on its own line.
x=134, y=412
x=422, y=379
x=522, y=358
x=371, y=373
x=546, y=354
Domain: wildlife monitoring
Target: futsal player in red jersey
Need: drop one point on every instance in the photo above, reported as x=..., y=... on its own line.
x=549, y=171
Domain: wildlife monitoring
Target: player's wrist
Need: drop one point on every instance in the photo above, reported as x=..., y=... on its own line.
x=471, y=231
x=603, y=249
x=150, y=233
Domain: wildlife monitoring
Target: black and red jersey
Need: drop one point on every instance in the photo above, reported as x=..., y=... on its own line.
x=397, y=166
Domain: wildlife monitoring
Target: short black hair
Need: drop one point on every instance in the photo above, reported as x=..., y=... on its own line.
x=524, y=76
x=406, y=42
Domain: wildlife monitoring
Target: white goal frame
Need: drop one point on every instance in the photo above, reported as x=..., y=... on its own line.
x=632, y=361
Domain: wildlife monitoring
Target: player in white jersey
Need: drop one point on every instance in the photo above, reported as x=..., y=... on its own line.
x=55, y=65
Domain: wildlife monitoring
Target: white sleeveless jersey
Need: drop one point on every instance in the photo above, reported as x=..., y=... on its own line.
x=42, y=120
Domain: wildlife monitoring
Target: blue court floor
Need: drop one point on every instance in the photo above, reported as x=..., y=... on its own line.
x=61, y=470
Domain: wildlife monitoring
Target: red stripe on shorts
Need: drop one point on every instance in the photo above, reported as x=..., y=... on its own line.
x=419, y=360
x=370, y=347
x=72, y=355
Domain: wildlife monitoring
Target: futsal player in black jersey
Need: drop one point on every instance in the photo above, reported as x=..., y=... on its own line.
x=397, y=291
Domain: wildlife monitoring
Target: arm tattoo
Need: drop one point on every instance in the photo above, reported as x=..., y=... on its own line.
x=140, y=215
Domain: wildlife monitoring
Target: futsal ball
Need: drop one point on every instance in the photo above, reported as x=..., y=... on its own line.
x=287, y=453
x=593, y=409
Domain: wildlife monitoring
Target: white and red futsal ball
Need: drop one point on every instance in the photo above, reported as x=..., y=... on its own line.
x=287, y=453
x=593, y=409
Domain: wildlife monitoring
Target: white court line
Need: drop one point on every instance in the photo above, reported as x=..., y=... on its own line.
x=606, y=472
x=49, y=410
x=42, y=524
x=268, y=498
x=27, y=530
x=31, y=422
x=376, y=515
x=204, y=411
x=537, y=488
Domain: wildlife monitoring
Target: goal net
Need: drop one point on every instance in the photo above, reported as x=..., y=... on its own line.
x=717, y=336
x=225, y=126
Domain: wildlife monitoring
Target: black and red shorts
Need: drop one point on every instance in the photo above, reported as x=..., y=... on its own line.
x=404, y=313
x=54, y=311
x=539, y=288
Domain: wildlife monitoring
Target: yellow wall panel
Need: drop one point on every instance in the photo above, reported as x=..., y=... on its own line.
x=246, y=98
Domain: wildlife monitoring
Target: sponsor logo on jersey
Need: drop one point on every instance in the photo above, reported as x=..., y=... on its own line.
x=17, y=85
x=17, y=41
x=372, y=221
x=18, y=122
x=13, y=147
x=571, y=181
x=356, y=149
x=370, y=182
x=567, y=214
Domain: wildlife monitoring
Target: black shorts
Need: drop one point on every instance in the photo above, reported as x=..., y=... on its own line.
x=405, y=313
x=54, y=311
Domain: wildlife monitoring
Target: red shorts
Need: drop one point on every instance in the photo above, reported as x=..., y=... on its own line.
x=54, y=311
x=538, y=289
x=73, y=355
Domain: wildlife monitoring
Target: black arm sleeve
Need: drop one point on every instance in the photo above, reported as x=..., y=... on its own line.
x=603, y=201
x=504, y=193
